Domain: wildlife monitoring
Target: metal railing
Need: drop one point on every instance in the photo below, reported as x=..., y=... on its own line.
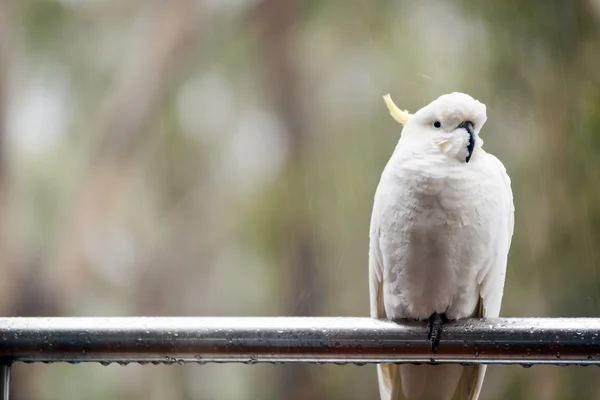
x=560, y=341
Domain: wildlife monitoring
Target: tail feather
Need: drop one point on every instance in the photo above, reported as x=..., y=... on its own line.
x=429, y=382
x=390, y=387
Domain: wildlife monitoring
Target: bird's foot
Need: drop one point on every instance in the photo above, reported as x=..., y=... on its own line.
x=435, y=323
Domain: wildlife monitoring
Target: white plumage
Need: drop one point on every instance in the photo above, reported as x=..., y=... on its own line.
x=440, y=233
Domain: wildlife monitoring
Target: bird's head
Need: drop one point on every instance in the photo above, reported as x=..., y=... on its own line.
x=449, y=125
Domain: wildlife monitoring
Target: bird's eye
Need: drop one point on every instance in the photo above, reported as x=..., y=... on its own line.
x=437, y=124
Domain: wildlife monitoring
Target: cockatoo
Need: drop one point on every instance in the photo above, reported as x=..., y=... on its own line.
x=440, y=233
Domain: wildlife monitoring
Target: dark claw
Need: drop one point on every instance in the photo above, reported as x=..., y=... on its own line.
x=435, y=323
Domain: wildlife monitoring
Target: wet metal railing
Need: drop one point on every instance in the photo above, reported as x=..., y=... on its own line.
x=560, y=341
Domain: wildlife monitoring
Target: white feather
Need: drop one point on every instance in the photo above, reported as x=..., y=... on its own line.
x=440, y=234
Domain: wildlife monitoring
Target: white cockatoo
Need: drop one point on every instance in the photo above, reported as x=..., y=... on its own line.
x=440, y=233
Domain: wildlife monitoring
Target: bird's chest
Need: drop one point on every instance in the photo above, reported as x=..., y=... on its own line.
x=428, y=232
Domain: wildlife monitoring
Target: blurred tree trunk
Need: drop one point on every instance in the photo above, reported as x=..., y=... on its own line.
x=21, y=291
x=157, y=46
x=277, y=20
x=8, y=33
x=6, y=272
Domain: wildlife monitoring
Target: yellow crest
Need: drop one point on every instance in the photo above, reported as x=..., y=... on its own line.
x=400, y=116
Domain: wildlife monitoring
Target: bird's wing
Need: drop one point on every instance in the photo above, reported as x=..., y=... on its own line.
x=376, y=277
x=492, y=275
x=388, y=374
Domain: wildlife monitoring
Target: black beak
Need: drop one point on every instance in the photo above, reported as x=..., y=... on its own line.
x=469, y=128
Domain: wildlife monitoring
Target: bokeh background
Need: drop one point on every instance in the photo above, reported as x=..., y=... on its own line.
x=219, y=158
